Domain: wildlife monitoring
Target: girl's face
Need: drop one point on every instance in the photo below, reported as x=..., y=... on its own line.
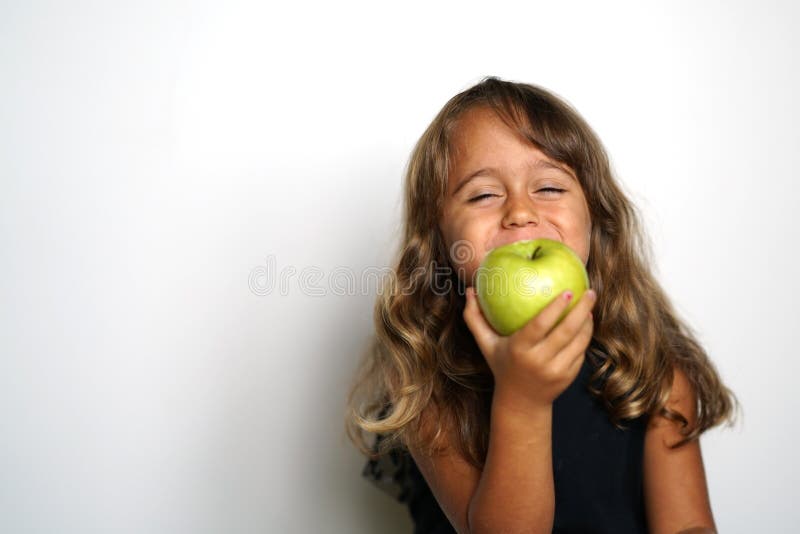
x=502, y=189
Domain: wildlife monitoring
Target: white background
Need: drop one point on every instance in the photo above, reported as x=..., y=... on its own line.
x=154, y=155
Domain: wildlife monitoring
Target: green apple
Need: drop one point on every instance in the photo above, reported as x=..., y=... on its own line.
x=514, y=282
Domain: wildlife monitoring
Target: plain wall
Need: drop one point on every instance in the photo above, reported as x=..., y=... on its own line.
x=156, y=158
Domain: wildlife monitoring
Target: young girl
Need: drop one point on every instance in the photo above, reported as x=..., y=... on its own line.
x=590, y=424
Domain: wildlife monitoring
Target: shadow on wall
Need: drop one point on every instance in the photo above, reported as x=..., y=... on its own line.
x=381, y=513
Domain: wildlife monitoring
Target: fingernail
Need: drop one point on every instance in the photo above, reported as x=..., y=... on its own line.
x=591, y=295
x=568, y=295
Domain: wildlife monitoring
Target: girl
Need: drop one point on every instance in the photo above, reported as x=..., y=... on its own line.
x=591, y=424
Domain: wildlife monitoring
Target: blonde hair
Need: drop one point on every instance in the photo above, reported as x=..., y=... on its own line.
x=422, y=352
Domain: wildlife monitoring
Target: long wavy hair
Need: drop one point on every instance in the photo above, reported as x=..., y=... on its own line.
x=423, y=353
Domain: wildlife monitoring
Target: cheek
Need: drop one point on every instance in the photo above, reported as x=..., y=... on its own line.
x=466, y=272
x=582, y=235
x=465, y=256
x=465, y=253
x=459, y=237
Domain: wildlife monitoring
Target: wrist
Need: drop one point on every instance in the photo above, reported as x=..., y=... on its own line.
x=508, y=404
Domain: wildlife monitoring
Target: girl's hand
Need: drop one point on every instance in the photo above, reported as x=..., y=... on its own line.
x=535, y=364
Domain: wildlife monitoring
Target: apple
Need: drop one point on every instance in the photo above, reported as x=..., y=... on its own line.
x=514, y=282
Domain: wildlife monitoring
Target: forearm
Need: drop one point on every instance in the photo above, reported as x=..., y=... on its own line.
x=515, y=493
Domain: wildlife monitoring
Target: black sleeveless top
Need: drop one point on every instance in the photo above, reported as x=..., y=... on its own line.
x=597, y=470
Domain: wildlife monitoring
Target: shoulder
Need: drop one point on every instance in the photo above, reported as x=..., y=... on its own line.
x=682, y=393
x=675, y=485
x=682, y=398
x=449, y=475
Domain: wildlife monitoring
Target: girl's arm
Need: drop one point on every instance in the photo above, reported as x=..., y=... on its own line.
x=515, y=486
x=514, y=491
x=676, y=496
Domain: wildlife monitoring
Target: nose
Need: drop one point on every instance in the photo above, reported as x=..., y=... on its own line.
x=519, y=212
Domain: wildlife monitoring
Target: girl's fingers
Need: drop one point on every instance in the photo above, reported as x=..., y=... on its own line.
x=563, y=334
x=575, y=350
x=538, y=327
x=484, y=334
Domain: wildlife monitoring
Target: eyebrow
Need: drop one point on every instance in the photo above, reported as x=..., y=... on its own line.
x=483, y=171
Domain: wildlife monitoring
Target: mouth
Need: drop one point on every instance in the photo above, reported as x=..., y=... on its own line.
x=513, y=238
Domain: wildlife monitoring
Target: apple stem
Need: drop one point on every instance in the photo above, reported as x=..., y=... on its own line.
x=533, y=256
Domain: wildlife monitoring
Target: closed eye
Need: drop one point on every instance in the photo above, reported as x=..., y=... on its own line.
x=549, y=190
x=479, y=197
x=552, y=189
